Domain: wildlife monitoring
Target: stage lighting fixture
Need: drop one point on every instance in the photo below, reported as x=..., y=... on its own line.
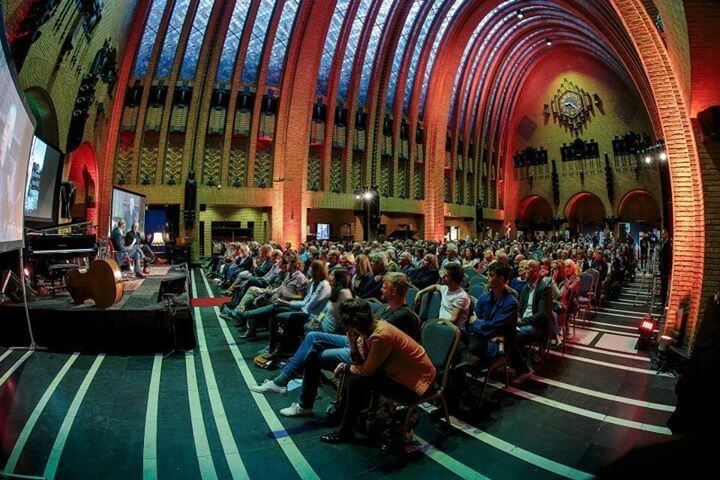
x=648, y=159
x=357, y=197
x=647, y=328
x=368, y=195
x=663, y=156
x=548, y=42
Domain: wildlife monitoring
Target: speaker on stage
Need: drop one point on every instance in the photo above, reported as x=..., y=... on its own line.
x=175, y=285
x=12, y=288
x=479, y=216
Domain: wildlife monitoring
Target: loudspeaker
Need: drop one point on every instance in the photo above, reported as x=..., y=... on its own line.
x=12, y=288
x=177, y=285
x=478, y=217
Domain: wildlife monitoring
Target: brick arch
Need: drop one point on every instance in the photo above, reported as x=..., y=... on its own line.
x=533, y=207
x=647, y=207
x=686, y=176
x=583, y=202
x=43, y=109
x=83, y=170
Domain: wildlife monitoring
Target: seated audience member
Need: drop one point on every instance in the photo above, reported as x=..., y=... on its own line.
x=268, y=301
x=390, y=363
x=468, y=258
x=347, y=261
x=262, y=276
x=485, y=263
x=455, y=302
x=328, y=321
x=495, y=316
x=519, y=282
x=452, y=256
x=535, y=311
x=428, y=273
x=117, y=238
x=333, y=260
x=243, y=263
x=299, y=311
x=333, y=348
x=405, y=265
x=373, y=288
x=363, y=275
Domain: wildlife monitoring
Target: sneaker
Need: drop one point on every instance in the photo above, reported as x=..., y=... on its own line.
x=268, y=386
x=295, y=410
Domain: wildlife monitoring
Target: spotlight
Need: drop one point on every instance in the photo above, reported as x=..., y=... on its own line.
x=663, y=156
x=648, y=159
x=357, y=197
x=368, y=195
x=548, y=42
x=520, y=14
x=647, y=328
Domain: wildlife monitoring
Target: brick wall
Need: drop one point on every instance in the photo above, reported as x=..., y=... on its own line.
x=222, y=213
x=622, y=111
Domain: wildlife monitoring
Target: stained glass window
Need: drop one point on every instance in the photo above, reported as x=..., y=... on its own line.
x=197, y=34
x=148, y=38
x=412, y=68
x=282, y=37
x=257, y=39
x=372, y=46
x=351, y=47
x=331, y=40
x=400, y=50
x=436, y=43
x=172, y=38
x=232, y=40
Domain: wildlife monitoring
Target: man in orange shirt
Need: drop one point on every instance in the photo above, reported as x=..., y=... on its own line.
x=386, y=360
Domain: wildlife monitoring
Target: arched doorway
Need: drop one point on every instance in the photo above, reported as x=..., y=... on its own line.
x=43, y=110
x=83, y=172
x=639, y=210
x=534, y=213
x=585, y=213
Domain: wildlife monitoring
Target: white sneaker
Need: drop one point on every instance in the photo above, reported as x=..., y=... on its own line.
x=268, y=386
x=295, y=410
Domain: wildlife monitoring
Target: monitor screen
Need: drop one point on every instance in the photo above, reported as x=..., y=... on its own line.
x=16, y=132
x=42, y=185
x=129, y=206
x=323, y=231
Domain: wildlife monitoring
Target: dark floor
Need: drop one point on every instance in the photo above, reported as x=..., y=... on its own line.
x=192, y=416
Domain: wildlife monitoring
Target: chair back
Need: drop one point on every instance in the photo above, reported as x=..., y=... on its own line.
x=586, y=283
x=440, y=339
x=596, y=279
x=429, y=305
x=410, y=296
x=470, y=272
x=478, y=279
x=374, y=304
x=477, y=290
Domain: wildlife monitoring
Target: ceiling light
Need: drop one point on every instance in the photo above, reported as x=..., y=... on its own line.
x=548, y=42
x=648, y=159
x=520, y=14
x=663, y=156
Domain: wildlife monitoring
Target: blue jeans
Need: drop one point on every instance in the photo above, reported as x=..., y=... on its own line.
x=320, y=356
x=294, y=366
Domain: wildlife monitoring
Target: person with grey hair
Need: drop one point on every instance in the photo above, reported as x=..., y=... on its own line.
x=452, y=256
x=122, y=251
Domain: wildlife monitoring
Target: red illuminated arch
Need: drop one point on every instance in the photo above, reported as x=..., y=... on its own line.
x=584, y=208
x=534, y=210
x=640, y=206
x=83, y=170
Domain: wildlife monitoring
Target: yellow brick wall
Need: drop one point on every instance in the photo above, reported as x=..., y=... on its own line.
x=221, y=213
x=623, y=111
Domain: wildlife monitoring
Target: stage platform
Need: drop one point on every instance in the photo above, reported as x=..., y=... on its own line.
x=136, y=324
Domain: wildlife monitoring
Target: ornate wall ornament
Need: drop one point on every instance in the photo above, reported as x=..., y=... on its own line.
x=572, y=106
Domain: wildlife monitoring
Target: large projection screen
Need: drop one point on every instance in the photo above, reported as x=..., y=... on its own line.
x=129, y=206
x=44, y=171
x=16, y=133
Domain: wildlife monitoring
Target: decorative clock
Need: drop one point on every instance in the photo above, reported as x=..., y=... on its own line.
x=571, y=106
